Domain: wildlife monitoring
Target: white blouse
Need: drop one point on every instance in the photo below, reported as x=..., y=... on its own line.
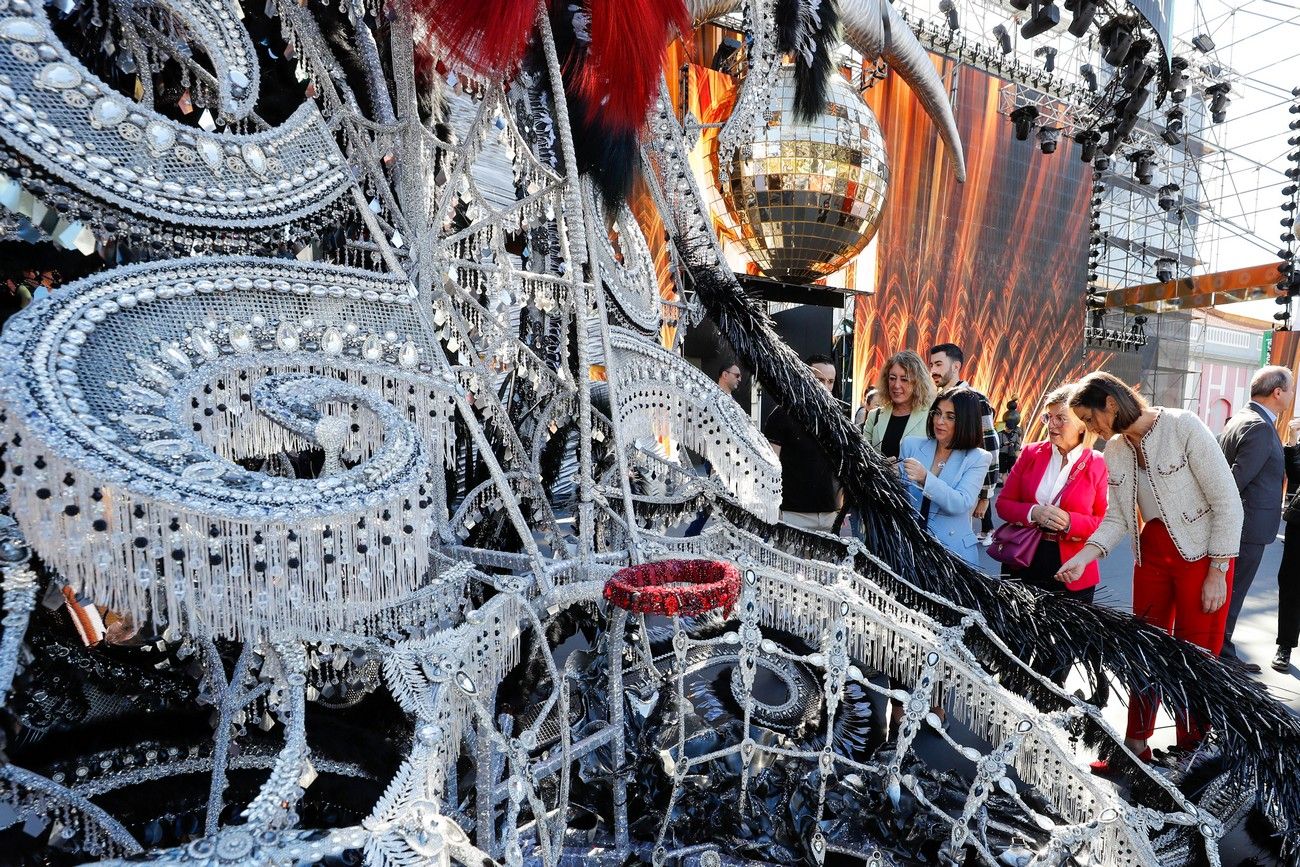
x=1148, y=505
x=1055, y=476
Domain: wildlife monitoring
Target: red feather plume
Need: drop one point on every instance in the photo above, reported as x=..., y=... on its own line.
x=487, y=36
x=624, y=61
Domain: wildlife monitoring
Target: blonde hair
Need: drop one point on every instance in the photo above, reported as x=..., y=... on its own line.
x=923, y=388
x=1061, y=395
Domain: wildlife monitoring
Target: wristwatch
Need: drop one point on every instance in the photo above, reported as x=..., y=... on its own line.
x=1222, y=566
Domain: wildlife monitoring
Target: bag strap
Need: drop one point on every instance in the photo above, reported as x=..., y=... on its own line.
x=1079, y=466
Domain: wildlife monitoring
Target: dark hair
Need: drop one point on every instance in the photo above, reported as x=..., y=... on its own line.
x=821, y=358
x=723, y=366
x=952, y=350
x=1091, y=393
x=968, y=432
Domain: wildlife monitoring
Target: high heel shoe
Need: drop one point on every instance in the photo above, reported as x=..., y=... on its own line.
x=1107, y=768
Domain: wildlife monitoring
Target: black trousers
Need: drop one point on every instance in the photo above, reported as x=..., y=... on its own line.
x=1041, y=573
x=1288, y=587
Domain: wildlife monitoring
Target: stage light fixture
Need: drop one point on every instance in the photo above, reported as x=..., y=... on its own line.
x=1045, y=17
x=1024, y=118
x=1136, y=75
x=949, y=9
x=1090, y=76
x=1203, y=43
x=1167, y=194
x=1117, y=40
x=1022, y=5
x=1164, y=270
x=1088, y=140
x=724, y=59
x=1144, y=165
x=1084, y=12
x=1003, y=37
x=1128, y=111
x=1048, y=138
x=1290, y=190
x=1048, y=53
x=1178, y=75
x=1219, y=100
x=1101, y=163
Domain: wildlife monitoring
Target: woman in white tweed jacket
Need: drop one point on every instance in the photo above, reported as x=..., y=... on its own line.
x=1172, y=491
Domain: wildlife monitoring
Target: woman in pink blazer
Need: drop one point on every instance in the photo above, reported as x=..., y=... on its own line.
x=1064, y=469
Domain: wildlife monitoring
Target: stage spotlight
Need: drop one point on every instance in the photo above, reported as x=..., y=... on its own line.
x=724, y=59
x=1048, y=137
x=1136, y=75
x=1003, y=37
x=1101, y=163
x=1219, y=100
x=1088, y=148
x=1167, y=194
x=1203, y=43
x=1022, y=5
x=1048, y=53
x=1164, y=270
x=1144, y=165
x=1117, y=41
x=949, y=9
x=1084, y=13
x=1045, y=17
x=1178, y=73
x=1023, y=118
x=1089, y=75
x=1128, y=111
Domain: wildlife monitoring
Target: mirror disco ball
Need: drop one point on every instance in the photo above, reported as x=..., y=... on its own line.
x=807, y=197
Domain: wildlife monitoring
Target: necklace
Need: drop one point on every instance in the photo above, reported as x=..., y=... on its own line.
x=939, y=464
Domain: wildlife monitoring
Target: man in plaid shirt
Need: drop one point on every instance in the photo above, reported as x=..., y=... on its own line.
x=945, y=369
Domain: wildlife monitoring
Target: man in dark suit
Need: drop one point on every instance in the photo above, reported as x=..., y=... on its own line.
x=1251, y=444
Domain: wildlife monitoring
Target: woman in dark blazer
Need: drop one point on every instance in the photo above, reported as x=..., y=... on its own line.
x=1063, y=468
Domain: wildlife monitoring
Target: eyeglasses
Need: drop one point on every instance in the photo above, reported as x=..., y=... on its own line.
x=1048, y=418
x=946, y=416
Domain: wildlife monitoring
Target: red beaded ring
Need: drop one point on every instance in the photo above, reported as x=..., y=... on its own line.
x=675, y=587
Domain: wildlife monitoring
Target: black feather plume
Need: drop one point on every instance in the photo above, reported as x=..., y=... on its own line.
x=809, y=30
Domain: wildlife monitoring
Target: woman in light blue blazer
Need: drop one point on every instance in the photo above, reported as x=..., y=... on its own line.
x=945, y=469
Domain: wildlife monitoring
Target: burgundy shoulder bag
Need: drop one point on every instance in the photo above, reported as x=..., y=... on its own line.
x=1016, y=544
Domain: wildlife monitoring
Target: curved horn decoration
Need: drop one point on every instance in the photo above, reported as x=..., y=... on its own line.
x=876, y=29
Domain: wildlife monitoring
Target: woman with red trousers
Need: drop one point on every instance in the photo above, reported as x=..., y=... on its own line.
x=1172, y=491
x=1058, y=486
